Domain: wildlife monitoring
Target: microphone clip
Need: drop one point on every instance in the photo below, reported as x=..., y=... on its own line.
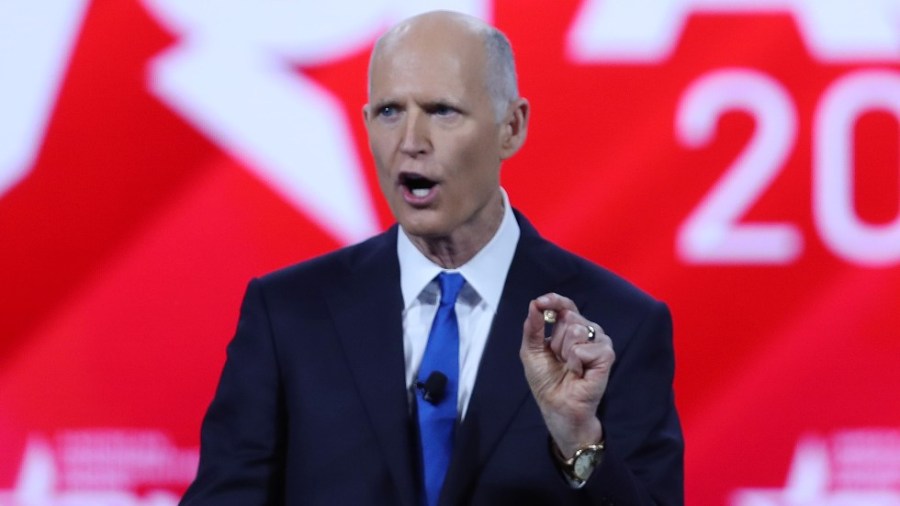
x=434, y=388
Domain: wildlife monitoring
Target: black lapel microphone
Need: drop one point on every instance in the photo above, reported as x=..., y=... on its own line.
x=434, y=387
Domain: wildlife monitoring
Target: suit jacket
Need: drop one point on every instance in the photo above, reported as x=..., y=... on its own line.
x=312, y=406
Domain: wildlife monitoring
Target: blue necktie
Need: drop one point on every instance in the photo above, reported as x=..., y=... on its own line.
x=437, y=417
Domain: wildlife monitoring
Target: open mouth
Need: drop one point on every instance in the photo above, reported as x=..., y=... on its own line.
x=419, y=186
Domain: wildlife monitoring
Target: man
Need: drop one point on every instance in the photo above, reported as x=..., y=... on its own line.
x=324, y=398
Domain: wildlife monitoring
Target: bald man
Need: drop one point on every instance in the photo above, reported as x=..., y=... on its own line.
x=560, y=388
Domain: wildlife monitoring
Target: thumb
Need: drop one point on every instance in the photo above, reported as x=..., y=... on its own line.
x=533, y=329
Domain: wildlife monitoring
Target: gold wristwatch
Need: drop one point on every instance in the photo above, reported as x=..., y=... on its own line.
x=582, y=464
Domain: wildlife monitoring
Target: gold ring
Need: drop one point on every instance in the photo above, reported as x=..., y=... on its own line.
x=591, y=333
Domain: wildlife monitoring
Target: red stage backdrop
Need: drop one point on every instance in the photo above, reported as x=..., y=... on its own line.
x=736, y=158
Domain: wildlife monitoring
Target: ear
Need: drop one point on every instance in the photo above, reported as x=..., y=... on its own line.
x=514, y=128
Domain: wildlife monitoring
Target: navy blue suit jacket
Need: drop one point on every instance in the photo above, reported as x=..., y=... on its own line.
x=312, y=405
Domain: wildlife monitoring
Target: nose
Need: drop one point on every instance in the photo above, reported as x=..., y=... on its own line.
x=416, y=140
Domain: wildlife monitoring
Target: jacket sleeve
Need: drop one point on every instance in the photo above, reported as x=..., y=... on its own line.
x=243, y=432
x=644, y=458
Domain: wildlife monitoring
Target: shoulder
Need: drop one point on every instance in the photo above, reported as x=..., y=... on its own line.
x=376, y=255
x=581, y=277
x=606, y=294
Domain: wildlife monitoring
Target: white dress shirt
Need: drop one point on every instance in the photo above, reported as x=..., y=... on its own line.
x=476, y=306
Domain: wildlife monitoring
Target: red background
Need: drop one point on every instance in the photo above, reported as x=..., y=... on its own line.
x=126, y=248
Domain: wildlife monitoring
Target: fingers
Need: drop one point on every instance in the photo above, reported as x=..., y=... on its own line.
x=534, y=335
x=556, y=302
x=576, y=334
x=570, y=327
x=571, y=330
x=555, y=310
x=596, y=357
x=533, y=331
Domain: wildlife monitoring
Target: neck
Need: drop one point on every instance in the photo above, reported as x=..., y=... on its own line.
x=464, y=243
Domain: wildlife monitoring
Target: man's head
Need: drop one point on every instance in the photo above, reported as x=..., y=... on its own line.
x=501, y=77
x=443, y=114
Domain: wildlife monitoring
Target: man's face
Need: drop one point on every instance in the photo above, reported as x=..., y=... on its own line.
x=434, y=136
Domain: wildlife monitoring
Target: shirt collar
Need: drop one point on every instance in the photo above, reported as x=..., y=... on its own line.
x=485, y=272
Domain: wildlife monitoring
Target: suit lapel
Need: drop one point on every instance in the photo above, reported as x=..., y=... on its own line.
x=501, y=388
x=367, y=307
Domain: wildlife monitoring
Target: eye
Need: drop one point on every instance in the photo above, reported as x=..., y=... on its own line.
x=387, y=111
x=443, y=110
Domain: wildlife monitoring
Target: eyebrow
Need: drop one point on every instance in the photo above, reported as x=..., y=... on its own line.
x=386, y=103
x=435, y=102
x=442, y=102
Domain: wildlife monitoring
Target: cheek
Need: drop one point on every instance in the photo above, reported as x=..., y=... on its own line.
x=385, y=182
x=376, y=147
x=381, y=166
x=381, y=140
x=381, y=159
x=480, y=161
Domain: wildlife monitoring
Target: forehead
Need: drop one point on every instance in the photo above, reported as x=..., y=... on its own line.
x=422, y=61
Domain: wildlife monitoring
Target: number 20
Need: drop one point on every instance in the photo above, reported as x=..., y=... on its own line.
x=712, y=233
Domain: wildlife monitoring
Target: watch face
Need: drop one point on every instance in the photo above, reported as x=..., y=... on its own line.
x=584, y=464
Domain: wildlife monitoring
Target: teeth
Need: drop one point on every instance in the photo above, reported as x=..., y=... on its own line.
x=421, y=192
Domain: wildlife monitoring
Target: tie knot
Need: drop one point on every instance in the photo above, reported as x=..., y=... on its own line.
x=451, y=283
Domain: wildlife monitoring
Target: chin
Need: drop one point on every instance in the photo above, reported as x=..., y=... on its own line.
x=423, y=227
x=424, y=231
